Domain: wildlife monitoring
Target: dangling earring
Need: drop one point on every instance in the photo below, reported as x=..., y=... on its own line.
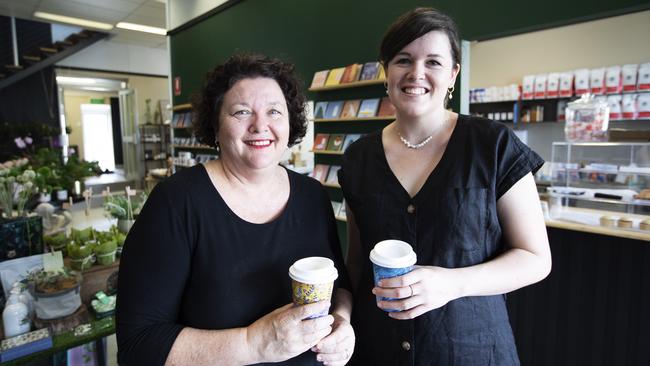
x=386, y=87
x=450, y=91
x=216, y=145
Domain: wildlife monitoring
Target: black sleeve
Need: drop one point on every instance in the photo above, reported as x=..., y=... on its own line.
x=154, y=267
x=514, y=161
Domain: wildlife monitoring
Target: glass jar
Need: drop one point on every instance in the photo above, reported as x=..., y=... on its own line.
x=587, y=119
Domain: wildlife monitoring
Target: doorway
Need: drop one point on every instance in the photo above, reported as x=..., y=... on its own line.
x=97, y=129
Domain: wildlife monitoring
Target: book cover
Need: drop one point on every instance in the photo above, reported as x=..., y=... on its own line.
x=369, y=71
x=342, y=212
x=334, y=77
x=349, y=139
x=351, y=73
x=179, y=121
x=368, y=108
x=320, y=142
x=319, y=78
x=381, y=75
x=333, y=176
x=336, y=207
x=334, y=109
x=25, y=344
x=187, y=120
x=386, y=108
x=320, y=172
x=335, y=142
x=319, y=112
x=350, y=108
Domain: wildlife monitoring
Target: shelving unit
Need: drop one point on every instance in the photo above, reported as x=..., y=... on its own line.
x=348, y=91
x=183, y=141
x=155, y=141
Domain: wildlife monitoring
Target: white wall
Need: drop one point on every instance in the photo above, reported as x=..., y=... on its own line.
x=605, y=42
x=120, y=57
x=182, y=11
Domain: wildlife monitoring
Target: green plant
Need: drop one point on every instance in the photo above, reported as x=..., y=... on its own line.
x=15, y=190
x=118, y=207
x=49, y=282
x=105, y=252
x=80, y=255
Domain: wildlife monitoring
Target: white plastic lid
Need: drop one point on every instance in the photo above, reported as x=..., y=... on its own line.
x=313, y=270
x=393, y=254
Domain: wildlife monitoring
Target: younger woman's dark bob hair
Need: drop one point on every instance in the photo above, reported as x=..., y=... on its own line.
x=208, y=102
x=413, y=25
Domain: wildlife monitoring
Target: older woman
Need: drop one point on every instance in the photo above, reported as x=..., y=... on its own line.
x=204, y=273
x=459, y=189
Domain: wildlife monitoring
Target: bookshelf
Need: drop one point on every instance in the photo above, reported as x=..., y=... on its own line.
x=155, y=144
x=351, y=124
x=186, y=151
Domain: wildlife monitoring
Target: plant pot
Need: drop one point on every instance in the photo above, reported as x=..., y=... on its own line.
x=124, y=225
x=62, y=195
x=82, y=264
x=57, y=305
x=106, y=258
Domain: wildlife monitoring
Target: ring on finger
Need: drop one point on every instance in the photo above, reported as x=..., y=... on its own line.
x=412, y=292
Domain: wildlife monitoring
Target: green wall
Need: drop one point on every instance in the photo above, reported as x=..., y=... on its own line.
x=322, y=34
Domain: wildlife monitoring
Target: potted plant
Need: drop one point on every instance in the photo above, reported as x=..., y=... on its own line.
x=124, y=210
x=15, y=189
x=105, y=252
x=57, y=242
x=56, y=293
x=81, y=256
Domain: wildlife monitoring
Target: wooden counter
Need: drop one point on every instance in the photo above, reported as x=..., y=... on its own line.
x=568, y=224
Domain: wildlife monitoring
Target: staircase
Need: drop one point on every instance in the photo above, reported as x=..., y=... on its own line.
x=47, y=55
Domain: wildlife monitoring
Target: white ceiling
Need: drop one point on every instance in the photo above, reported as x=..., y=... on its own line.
x=145, y=12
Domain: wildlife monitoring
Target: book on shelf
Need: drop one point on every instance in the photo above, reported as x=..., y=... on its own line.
x=349, y=139
x=370, y=71
x=25, y=344
x=175, y=119
x=320, y=141
x=333, y=175
x=335, y=142
x=381, y=74
x=187, y=121
x=350, y=108
x=319, y=78
x=334, y=77
x=320, y=172
x=179, y=121
x=334, y=109
x=342, y=212
x=319, y=111
x=368, y=108
x=336, y=207
x=351, y=73
x=386, y=108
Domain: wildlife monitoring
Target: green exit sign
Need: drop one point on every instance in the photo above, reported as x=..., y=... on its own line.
x=97, y=101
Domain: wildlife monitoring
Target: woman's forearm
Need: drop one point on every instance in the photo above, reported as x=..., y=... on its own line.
x=210, y=347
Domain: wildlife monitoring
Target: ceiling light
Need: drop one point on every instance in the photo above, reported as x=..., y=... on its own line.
x=71, y=20
x=98, y=89
x=141, y=28
x=74, y=80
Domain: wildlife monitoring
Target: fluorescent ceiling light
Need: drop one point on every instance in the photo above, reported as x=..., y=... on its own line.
x=71, y=20
x=141, y=28
x=98, y=89
x=74, y=80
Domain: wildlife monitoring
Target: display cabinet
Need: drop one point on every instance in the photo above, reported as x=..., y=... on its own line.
x=601, y=184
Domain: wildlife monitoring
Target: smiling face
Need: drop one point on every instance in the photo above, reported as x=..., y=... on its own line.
x=420, y=74
x=253, y=124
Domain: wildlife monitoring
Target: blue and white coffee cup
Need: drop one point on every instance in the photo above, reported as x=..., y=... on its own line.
x=391, y=258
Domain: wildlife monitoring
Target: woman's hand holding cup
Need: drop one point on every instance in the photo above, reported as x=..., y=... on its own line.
x=288, y=331
x=423, y=289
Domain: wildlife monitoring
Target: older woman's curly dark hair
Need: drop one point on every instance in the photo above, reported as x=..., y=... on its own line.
x=207, y=104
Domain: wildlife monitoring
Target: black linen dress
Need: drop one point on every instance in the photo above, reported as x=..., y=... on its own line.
x=191, y=261
x=451, y=222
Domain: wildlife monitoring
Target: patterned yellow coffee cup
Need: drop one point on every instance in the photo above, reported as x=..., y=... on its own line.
x=312, y=281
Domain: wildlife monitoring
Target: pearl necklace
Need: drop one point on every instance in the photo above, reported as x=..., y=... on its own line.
x=414, y=146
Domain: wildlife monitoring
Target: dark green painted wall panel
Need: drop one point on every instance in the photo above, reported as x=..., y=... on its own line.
x=321, y=34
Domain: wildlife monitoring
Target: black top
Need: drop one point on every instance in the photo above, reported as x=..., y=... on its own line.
x=451, y=222
x=190, y=261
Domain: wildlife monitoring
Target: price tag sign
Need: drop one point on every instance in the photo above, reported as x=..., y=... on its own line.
x=130, y=192
x=53, y=261
x=87, y=193
x=106, y=192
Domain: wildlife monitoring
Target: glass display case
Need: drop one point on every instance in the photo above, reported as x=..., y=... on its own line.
x=601, y=183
